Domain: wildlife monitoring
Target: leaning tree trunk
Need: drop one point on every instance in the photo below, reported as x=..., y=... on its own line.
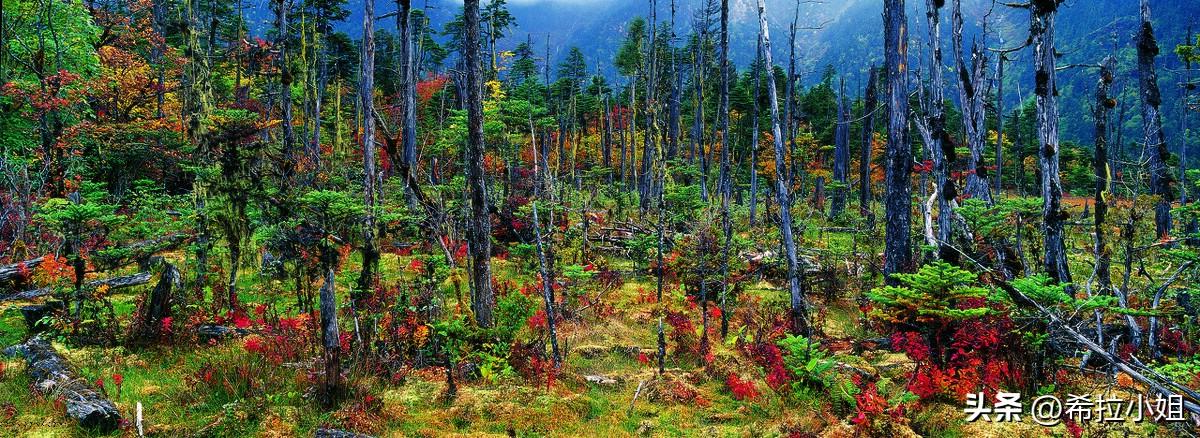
x=1156, y=144
x=898, y=250
x=479, y=234
x=799, y=305
x=1041, y=29
x=864, y=164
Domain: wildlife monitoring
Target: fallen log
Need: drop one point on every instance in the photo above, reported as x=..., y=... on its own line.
x=55, y=377
x=207, y=333
x=15, y=273
x=113, y=283
x=335, y=433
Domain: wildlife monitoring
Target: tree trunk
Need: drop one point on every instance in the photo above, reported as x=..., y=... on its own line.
x=972, y=87
x=479, y=234
x=897, y=251
x=1046, y=102
x=841, y=155
x=366, y=93
x=1102, y=107
x=754, y=135
x=330, y=340
x=285, y=87
x=799, y=305
x=726, y=181
x=864, y=164
x=1156, y=144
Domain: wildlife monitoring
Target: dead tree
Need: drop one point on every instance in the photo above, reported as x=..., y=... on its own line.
x=370, y=252
x=973, y=88
x=1102, y=106
x=898, y=249
x=799, y=305
x=841, y=154
x=1156, y=144
x=864, y=163
x=1041, y=29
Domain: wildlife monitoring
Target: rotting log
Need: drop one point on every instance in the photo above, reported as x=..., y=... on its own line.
x=215, y=333
x=113, y=283
x=335, y=433
x=54, y=377
x=16, y=272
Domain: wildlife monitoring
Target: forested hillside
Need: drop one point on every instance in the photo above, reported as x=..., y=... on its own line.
x=612, y=218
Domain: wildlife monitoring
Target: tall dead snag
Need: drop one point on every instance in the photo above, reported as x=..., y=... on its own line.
x=898, y=203
x=973, y=88
x=53, y=375
x=1041, y=30
x=1100, y=112
x=938, y=145
x=285, y=85
x=408, y=106
x=1156, y=144
x=754, y=135
x=999, y=125
x=782, y=187
x=366, y=93
x=864, y=163
x=479, y=230
x=726, y=176
x=841, y=154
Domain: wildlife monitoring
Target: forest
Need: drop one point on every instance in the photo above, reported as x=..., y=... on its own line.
x=801, y=218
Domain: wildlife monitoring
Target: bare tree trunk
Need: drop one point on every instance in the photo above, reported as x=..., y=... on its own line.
x=285, y=87
x=898, y=250
x=1046, y=102
x=331, y=340
x=973, y=90
x=1103, y=106
x=799, y=305
x=841, y=155
x=1156, y=144
x=754, y=136
x=940, y=146
x=864, y=164
x=480, y=229
x=726, y=180
x=999, y=126
x=370, y=254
